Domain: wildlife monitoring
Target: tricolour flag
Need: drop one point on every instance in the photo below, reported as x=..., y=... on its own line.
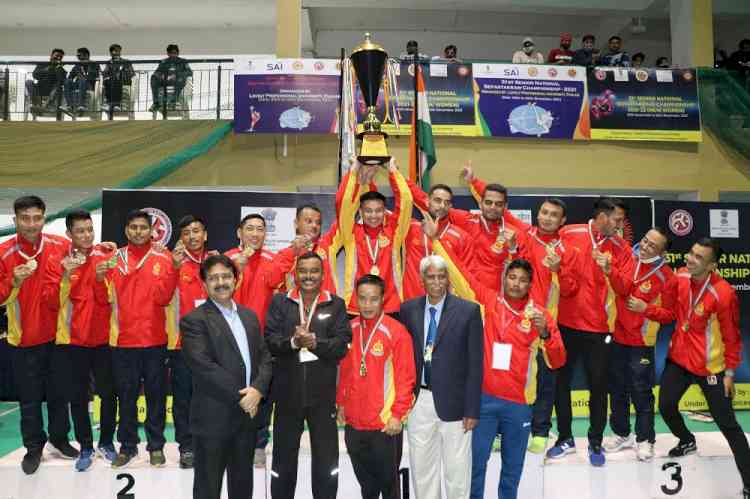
x=421, y=136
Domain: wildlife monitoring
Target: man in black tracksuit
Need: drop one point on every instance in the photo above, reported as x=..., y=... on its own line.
x=307, y=331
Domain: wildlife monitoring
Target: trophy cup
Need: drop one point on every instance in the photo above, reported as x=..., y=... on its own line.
x=368, y=60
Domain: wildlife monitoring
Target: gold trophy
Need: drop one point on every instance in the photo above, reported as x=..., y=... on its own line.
x=368, y=60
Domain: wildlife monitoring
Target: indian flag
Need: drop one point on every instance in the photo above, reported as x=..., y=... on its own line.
x=421, y=136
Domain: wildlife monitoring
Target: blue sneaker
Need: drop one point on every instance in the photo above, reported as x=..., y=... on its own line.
x=107, y=452
x=596, y=455
x=85, y=459
x=562, y=449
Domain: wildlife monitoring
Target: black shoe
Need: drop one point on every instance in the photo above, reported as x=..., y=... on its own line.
x=31, y=461
x=123, y=459
x=157, y=459
x=186, y=459
x=64, y=450
x=683, y=449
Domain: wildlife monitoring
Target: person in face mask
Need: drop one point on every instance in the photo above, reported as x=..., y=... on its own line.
x=588, y=54
x=171, y=72
x=645, y=291
x=528, y=53
x=118, y=73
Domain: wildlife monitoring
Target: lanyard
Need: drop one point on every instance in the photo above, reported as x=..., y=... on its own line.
x=305, y=316
x=373, y=253
x=653, y=271
x=527, y=311
x=549, y=247
x=487, y=227
x=124, y=257
x=594, y=244
x=694, y=303
x=198, y=261
x=38, y=252
x=364, y=347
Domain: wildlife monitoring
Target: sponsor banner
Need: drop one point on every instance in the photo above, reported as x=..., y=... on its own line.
x=450, y=96
x=644, y=104
x=287, y=96
x=527, y=100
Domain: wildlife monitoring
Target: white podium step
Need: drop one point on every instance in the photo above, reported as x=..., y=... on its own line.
x=709, y=474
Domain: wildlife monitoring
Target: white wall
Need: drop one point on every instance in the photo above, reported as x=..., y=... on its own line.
x=39, y=42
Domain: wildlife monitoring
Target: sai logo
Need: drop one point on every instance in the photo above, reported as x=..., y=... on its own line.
x=161, y=226
x=269, y=215
x=681, y=222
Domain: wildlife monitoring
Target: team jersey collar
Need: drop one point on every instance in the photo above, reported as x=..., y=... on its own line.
x=516, y=303
x=295, y=294
x=372, y=231
x=138, y=252
x=28, y=247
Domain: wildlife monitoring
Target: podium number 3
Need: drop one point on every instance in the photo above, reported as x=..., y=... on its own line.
x=125, y=491
x=674, y=477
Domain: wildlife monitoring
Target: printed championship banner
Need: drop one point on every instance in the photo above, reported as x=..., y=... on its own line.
x=287, y=96
x=527, y=100
x=729, y=223
x=449, y=96
x=644, y=104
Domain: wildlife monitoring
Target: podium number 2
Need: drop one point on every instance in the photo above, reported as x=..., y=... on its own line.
x=674, y=477
x=125, y=491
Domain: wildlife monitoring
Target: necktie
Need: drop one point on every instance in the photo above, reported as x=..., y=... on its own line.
x=431, y=333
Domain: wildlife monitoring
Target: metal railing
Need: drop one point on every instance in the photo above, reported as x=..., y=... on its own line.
x=206, y=94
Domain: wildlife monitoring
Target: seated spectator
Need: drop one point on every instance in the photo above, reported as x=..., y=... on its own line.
x=740, y=60
x=615, y=56
x=81, y=79
x=169, y=79
x=588, y=54
x=49, y=79
x=449, y=55
x=562, y=54
x=637, y=60
x=528, y=53
x=118, y=73
x=663, y=62
x=411, y=51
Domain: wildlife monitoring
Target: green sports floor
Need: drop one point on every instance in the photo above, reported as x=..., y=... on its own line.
x=10, y=434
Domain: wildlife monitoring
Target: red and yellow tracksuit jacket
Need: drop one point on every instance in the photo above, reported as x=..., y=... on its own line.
x=489, y=259
x=255, y=289
x=592, y=309
x=548, y=286
x=505, y=323
x=81, y=319
x=653, y=283
x=140, y=289
x=189, y=294
x=30, y=321
x=387, y=241
x=712, y=342
x=419, y=246
x=387, y=389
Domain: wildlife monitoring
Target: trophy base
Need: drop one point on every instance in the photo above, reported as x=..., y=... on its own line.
x=373, y=150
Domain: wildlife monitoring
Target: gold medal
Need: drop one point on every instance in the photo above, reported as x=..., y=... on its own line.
x=32, y=264
x=362, y=368
x=374, y=270
x=685, y=326
x=112, y=262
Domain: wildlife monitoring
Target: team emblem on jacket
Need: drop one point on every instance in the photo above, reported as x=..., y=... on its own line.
x=645, y=287
x=157, y=269
x=377, y=349
x=525, y=325
x=383, y=241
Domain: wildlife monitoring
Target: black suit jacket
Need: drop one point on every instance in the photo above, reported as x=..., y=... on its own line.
x=457, y=362
x=212, y=354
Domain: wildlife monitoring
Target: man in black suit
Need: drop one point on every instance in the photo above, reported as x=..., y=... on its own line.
x=231, y=369
x=448, y=336
x=307, y=331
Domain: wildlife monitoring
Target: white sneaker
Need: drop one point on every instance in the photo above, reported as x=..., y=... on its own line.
x=618, y=443
x=644, y=451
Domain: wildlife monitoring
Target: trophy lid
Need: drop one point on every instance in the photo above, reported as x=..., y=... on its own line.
x=368, y=44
